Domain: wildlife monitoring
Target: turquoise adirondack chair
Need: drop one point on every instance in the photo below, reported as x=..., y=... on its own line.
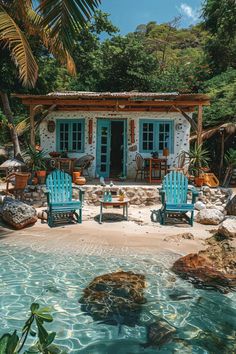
x=61, y=207
x=174, y=195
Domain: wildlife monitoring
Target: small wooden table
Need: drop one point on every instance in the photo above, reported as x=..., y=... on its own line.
x=114, y=202
x=155, y=164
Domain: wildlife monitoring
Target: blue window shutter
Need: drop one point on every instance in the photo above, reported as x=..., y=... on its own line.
x=72, y=123
x=161, y=128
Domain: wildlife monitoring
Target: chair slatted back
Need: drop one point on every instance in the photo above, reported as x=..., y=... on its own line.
x=139, y=161
x=175, y=185
x=59, y=185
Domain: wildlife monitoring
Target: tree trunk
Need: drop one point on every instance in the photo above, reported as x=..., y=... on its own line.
x=8, y=113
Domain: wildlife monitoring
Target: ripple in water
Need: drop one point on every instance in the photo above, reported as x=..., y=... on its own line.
x=205, y=321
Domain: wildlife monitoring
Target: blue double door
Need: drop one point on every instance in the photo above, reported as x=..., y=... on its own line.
x=111, y=147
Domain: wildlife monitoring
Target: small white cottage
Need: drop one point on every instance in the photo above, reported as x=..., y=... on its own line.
x=113, y=127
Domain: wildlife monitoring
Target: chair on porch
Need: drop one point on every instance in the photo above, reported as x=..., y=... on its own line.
x=19, y=181
x=174, y=198
x=84, y=163
x=61, y=206
x=141, y=170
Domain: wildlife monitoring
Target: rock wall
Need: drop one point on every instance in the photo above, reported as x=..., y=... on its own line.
x=141, y=195
x=214, y=198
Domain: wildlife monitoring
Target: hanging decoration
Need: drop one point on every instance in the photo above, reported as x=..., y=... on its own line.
x=132, y=135
x=90, y=131
x=51, y=126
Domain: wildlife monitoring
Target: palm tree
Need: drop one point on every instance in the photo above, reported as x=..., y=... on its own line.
x=56, y=22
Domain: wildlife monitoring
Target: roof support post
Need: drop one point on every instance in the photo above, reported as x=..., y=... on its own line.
x=32, y=126
x=199, y=125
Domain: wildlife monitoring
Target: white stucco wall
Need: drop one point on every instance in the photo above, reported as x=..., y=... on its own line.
x=181, y=138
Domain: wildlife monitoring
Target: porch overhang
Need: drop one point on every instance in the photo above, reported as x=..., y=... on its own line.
x=120, y=102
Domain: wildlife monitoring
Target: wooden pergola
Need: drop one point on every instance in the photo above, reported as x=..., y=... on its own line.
x=118, y=102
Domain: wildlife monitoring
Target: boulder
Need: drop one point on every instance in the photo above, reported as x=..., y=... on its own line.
x=231, y=206
x=199, y=205
x=159, y=333
x=214, y=267
x=115, y=298
x=18, y=214
x=210, y=217
x=228, y=227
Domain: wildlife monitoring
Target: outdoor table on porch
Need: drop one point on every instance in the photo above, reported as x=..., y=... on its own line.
x=154, y=167
x=114, y=202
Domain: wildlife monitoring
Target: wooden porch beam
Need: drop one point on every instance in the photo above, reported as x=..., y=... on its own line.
x=114, y=103
x=32, y=127
x=199, y=125
x=188, y=118
x=126, y=109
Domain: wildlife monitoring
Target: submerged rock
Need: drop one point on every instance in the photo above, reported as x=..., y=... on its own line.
x=214, y=267
x=179, y=295
x=115, y=298
x=159, y=333
x=210, y=217
x=18, y=214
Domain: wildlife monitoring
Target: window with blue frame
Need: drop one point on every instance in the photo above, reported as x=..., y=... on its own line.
x=155, y=135
x=70, y=135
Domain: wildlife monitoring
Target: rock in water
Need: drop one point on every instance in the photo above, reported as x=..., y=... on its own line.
x=214, y=267
x=159, y=333
x=210, y=217
x=18, y=214
x=115, y=298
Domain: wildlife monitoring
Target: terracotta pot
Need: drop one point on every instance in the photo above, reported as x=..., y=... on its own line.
x=76, y=175
x=80, y=180
x=41, y=175
x=199, y=181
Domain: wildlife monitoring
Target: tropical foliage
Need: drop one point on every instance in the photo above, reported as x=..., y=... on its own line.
x=198, y=158
x=34, y=326
x=55, y=22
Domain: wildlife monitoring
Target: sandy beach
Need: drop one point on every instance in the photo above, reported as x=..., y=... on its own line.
x=139, y=234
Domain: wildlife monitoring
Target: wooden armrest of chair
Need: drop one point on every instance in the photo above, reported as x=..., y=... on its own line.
x=195, y=194
x=81, y=192
x=162, y=193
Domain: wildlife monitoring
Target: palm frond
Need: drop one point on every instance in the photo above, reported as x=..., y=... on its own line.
x=23, y=126
x=21, y=52
x=66, y=17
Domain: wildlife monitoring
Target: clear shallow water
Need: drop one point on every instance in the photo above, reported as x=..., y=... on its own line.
x=206, y=323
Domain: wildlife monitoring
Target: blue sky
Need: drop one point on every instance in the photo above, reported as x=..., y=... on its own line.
x=127, y=14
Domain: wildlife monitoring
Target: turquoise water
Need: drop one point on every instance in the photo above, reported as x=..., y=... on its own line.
x=205, y=320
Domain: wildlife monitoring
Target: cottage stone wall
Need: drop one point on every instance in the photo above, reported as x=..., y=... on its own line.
x=181, y=137
x=140, y=195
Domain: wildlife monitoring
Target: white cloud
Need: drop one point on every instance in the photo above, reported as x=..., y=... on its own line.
x=188, y=11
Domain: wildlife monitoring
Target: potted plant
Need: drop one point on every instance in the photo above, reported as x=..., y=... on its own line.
x=35, y=160
x=198, y=160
